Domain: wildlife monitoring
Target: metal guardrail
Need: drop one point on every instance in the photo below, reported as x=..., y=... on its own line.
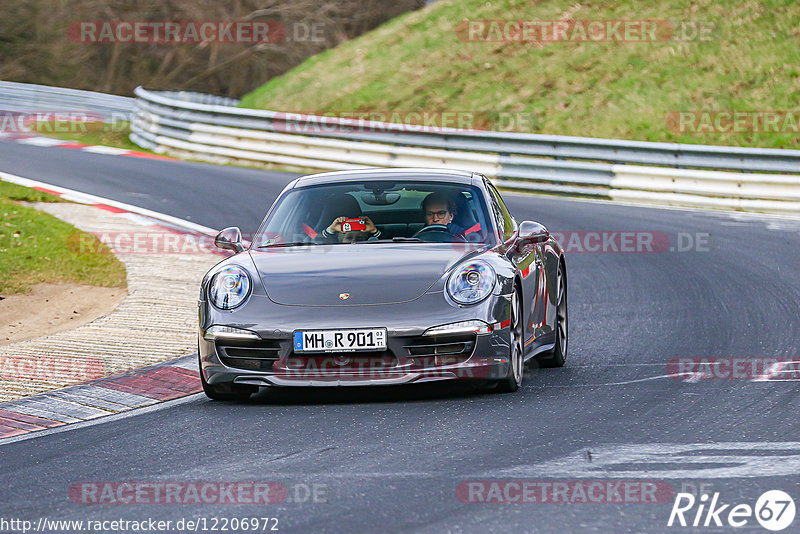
x=29, y=98
x=210, y=128
x=505, y=143
x=179, y=126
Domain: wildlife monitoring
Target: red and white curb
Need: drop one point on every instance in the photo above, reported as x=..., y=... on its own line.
x=102, y=397
x=108, y=395
x=39, y=140
x=127, y=210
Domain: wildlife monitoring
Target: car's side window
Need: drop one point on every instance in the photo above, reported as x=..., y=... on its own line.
x=504, y=220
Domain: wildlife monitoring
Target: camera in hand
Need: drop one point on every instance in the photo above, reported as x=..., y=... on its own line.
x=354, y=225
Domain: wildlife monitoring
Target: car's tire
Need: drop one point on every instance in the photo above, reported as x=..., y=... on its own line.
x=558, y=356
x=226, y=392
x=516, y=368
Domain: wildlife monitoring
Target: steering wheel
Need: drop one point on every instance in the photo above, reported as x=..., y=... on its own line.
x=436, y=233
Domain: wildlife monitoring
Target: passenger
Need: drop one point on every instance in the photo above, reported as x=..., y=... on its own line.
x=441, y=209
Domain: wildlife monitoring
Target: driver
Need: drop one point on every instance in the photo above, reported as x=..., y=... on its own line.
x=334, y=233
x=441, y=209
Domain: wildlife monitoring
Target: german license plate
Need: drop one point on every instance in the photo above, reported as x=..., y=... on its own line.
x=340, y=340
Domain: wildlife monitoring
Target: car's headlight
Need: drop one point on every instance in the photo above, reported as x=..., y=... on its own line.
x=471, y=282
x=229, y=288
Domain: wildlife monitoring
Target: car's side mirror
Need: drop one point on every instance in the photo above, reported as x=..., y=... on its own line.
x=532, y=232
x=229, y=239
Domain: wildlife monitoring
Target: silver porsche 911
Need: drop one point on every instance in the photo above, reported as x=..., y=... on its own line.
x=383, y=277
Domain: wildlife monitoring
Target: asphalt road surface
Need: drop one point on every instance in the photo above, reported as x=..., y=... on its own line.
x=422, y=458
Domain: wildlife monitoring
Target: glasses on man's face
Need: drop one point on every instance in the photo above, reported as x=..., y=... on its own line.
x=437, y=214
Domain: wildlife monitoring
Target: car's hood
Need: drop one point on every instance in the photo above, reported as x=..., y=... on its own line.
x=367, y=273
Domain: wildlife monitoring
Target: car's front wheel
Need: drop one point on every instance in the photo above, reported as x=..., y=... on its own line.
x=558, y=355
x=513, y=379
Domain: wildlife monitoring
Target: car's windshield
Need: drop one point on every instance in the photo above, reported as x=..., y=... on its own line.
x=370, y=211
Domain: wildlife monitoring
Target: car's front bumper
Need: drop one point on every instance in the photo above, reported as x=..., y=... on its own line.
x=409, y=358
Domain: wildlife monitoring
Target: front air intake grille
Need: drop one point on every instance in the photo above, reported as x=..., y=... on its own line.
x=443, y=345
x=252, y=352
x=249, y=355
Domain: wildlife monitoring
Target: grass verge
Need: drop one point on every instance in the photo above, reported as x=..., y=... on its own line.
x=37, y=247
x=725, y=55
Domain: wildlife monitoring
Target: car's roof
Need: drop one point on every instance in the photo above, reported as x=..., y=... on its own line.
x=410, y=174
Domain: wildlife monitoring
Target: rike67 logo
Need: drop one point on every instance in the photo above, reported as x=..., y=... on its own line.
x=774, y=510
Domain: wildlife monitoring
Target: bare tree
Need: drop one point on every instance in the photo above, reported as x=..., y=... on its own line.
x=36, y=45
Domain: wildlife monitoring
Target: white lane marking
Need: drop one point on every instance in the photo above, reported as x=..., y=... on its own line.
x=776, y=380
x=42, y=141
x=105, y=419
x=101, y=149
x=784, y=225
x=85, y=198
x=635, y=381
x=778, y=368
x=669, y=460
x=696, y=377
x=692, y=379
x=772, y=374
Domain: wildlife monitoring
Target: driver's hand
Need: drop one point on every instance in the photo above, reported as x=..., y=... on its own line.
x=336, y=225
x=369, y=226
